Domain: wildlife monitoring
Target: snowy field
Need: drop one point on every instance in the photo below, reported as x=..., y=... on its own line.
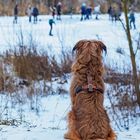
x=66, y=33
x=50, y=122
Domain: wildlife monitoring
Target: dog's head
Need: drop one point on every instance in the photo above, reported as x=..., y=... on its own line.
x=86, y=50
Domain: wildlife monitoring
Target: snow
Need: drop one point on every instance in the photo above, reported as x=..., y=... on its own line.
x=66, y=33
x=51, y=124
x=50, y=121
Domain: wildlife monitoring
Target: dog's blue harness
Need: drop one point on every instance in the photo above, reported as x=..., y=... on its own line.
x=88, y=88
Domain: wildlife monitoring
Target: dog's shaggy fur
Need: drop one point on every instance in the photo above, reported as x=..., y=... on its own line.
x=88, y=119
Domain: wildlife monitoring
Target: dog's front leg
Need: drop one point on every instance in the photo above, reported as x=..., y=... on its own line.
x=72, y=134
x=112, y=135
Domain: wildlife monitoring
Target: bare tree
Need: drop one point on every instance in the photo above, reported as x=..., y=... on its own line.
x=132, y=53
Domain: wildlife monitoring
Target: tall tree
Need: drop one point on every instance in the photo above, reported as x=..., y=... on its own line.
x=132, y=54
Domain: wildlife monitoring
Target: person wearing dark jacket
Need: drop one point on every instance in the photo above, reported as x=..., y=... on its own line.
x=51, y=22
x=132, y=19
x=88, y=12
x=35, y=14
x=59, y=10
x=83, y=11
x=15, y=13
x=110, y=12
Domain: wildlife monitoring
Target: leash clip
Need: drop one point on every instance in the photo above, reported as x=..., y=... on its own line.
x=90, y=87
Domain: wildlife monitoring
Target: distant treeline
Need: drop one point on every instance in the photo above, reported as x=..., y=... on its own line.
x=7, y=6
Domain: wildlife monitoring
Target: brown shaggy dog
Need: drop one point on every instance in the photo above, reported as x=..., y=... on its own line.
x=88, y=119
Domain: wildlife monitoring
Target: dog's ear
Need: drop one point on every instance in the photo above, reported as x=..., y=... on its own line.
x=77, y=45
x=74, y=48
x=103, y=47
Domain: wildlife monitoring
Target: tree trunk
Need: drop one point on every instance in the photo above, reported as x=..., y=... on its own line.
x=132, y=54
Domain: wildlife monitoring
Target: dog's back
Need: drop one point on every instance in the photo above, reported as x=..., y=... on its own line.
x=91, y=118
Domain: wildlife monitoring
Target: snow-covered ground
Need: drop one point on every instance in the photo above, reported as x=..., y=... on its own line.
x=50, y=122
x=66, y=33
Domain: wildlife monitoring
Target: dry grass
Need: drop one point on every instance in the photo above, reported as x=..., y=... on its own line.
x=122, y=97
x=27, y=64
x=30, y=66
